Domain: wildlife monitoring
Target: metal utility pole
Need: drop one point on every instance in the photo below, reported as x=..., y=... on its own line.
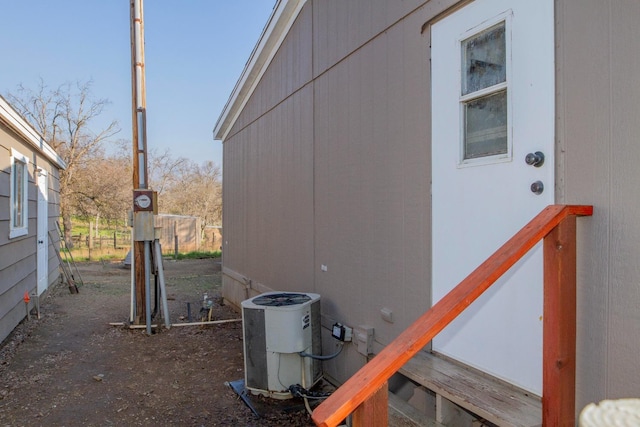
x=143, y=197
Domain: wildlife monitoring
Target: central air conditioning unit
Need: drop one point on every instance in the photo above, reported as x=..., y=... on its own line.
x=277, y=326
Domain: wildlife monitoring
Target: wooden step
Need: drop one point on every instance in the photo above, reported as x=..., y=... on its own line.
x=402, y=414
x=487, y=397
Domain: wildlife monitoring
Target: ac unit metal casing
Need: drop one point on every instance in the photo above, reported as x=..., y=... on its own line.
x=277, y=326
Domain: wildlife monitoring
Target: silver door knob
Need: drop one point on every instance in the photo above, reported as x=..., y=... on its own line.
x=535, y=159
x=537, y=187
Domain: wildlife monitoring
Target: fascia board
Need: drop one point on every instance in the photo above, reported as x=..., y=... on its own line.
x=280, y=22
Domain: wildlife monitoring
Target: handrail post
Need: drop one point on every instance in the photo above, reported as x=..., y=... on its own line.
x=374, y=411
x=559, y=326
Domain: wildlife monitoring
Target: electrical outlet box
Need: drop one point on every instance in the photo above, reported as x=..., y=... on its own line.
x=364, y=339
x=387, y=314
x=341, y=332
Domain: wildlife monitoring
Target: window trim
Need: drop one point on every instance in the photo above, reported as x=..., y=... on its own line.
x=505, y=17
x=17, y=231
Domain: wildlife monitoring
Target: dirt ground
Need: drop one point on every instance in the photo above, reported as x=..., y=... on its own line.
x=71, y=368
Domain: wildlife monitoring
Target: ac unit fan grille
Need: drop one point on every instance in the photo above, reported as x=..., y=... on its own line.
x=281, y=300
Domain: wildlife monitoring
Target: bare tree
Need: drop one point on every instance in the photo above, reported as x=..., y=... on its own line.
x=103, y=186
x=163, y=170
x=64, y=116
x=194, y=189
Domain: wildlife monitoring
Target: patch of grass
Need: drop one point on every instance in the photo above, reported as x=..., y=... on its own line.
x=110, y=254
x=199, y=255
x=106, y=254
x=105, y=228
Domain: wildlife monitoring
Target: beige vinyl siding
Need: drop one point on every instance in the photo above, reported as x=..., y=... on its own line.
x=599, y=106
x=292, y=60
x=372, y=162
x=341, y=27
x=268, y=211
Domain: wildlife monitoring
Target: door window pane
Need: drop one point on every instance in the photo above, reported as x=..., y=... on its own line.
x=484, y=94
x=485, y=126
x=484, y=59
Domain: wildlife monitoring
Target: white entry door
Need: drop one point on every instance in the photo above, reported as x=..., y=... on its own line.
x=42, y=253
x=493, y=104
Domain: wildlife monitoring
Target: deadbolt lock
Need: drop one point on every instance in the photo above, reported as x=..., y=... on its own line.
x=537, y=187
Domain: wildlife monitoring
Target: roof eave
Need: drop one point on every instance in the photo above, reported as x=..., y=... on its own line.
x=15, y=121
x=282, y=18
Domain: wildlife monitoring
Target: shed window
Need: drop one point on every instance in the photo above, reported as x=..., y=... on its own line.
x=18, y=198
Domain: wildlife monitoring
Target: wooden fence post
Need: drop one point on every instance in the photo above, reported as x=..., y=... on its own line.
x=175, y=240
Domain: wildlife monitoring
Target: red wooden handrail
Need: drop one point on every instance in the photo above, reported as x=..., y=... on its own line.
x=368, y=381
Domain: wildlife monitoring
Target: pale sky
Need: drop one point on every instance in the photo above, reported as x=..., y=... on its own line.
x=195, y=51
